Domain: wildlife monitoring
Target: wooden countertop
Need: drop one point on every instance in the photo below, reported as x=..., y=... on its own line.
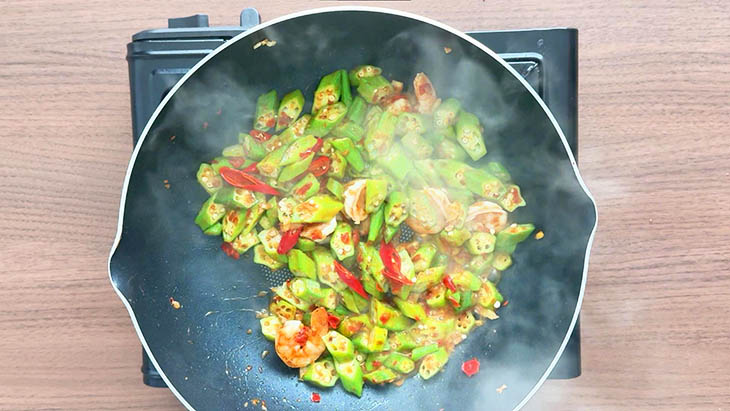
x=654, y=148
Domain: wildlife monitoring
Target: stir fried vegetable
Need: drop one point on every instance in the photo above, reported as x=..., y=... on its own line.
x=329, y=193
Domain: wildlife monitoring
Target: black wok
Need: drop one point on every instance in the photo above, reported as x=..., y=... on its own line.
x=203, y=350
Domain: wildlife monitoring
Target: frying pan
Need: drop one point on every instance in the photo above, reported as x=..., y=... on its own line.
x=204, y=351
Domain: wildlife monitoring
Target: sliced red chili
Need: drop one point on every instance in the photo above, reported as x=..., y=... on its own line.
x=229, y=250
x=384, y=318
x=391, y=260
x=316, y=397
x=240, y=179
x=271, y=122
x=320, y=166
x=345, y=238
x=470, y=367
x=236, y=162
x=453, y=301
x=377, y=363
x=350, y=279
x=260, y=135
x=303, y=189
x=449, y=283
x=312, y=149
x=301, y=336
x=288, y=240
x=252, y=167
x=333, y=320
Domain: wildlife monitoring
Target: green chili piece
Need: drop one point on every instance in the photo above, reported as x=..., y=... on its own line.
x=215, y=229
x=508, y=238
x=341, y=242
x=318, y=209
x=306, y=187
x=209, y=179
x=339, y=346
x=265, y=111
x=376, y=223
x=335, y=187
x=436, y=296
x=456, y=237
x=360, y=72
x=210, y=213
x=260, y=256
x=428, y=278
x=326, y=273
x=270, y=327
x=512, y=199
x=396, y=162
x=410, y=309
x=306, y=289
x=484, y=184
x=388, y=317
x=469, y=135
x=380, y=376
x=379, y=134
x=350, y=375
x=399, y=362
x=347, y=148
x=289, y=109
x=321, y=373
x=357, y=110
x=448, y=149
x=416, y=145
x=326, y=119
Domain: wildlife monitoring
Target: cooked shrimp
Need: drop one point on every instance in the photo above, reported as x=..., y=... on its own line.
x=425, y=94
x=354, y=200
x=486, y=216
x=298, y=345
x=319, y=231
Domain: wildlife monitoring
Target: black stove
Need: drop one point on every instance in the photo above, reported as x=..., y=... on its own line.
x=546, y=58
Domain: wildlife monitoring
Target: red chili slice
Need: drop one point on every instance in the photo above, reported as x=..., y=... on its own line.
x=229, y=250
x=377, y=363
x=252, y=167
x=453, y=301
x=316, y=397
x=470, y=367
x=302, y=335
x=333, y=320
x=288, y=240
x=238, y=178
x=345, y=238
x=449, y=283
x=351, y=281
x=391, y=260
x=236, y=162
x=260, y=135
x=320, y=166
x=303, y=189
x=312, y=149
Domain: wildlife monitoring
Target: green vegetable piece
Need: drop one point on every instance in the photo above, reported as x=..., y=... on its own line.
x=260, y=256
x=301, y=265
x=501, y=261
x=400, y=363
x=437, y=329
x=417, y=146
x=350, y=375
x=450, y=150
x=354, y=301
x=233, y=224
x=402, y=341
x=466, y=280
x=465, y=322
x=294, y=152
x=335, y=187
x=480, y=263
x=295, y=130
x=237, y=197
x=305, y=244
x=326, y=119
x=512, y=199
x=363, y=71
x=265, y=117
x=390, y=232
x=396, y=162
x=377, y=339
x=361, y=341
x=452, y=172
x=328, y=91
x=466, y=302
x=396, y=208
x=481, y=243
x=326, y=273
x=380, y=376
x=306, y=187
x=306, y=289
x=341, y=311
x=329, y=299
x=436, y=296
x=421, y=352
x=379, y=135
x=428, y=278
x=375, y=192
x=253, y=149
x=348, y=129
x=289, y=109
x=269, y=165
x=446, y=113
x=287, y=295
x=488, y=295
x=251, y=217
x=270, y=239
x=244, y=242
x=352, y=324
x=410, y=309
x=346, y=91
x=209, y=178
x=456, y=237
x=484, y=184
x=374, y=266
x=341, y=242
x=347, y=148
x=469, y=135
x=441, y=260
x=318, y=209
x=375, y=360
x=376, y=223
x=338, y=165
x=357, y=110
x=292, y=171
x=388, y=317
x=410, y=123
x=321, y=373
x=408, y=271
x=508, y=238
x=215, y=229
x=265, y=222
x=234, y=150
x=283, y=310
x=374, y=89
x=423, y=256
x=339, y=346
x=372, y=117
x=498, y=170
x=270, y=327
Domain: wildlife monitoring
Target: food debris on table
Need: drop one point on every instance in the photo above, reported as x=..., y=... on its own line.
x=501, y=388
x=249, y=331
x=316, y=397
x=539, y=235
x=175, y=304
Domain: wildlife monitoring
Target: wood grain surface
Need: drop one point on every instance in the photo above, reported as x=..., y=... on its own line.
x=654, y=148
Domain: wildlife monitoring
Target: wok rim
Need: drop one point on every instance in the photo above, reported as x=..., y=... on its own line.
x=322, y=10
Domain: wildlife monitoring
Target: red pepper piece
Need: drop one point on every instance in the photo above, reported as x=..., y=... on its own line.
x=259, y=135
x=229, y=250
x=316, y=397
x=312, y=149
x=377, y=363
x=238, y=178
x=288, y=240
x=391, y=260
x=333, y=320
x=252, y=168
x=350, y=279
x=453, y=301
x=302, y=335
x=320, y=166
x=449, y=283
x=470, y=367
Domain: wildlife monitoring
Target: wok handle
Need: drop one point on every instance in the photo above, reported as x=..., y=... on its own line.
x=150, y=376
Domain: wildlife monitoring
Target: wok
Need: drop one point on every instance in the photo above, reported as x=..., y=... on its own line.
x=203, y=350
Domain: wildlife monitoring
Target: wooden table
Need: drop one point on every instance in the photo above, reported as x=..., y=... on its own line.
x=654, y=147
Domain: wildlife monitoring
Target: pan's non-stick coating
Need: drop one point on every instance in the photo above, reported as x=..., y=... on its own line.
x=205, y=349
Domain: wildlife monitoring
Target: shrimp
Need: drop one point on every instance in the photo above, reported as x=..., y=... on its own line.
x=425, y=94
x=486, y=216
x=298, y=345
x=354, y=200
x=319, y=231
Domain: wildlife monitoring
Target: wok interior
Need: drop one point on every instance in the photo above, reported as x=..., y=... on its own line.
x=204, y=349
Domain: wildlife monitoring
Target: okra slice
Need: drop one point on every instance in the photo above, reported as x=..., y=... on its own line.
x=452, y=172
x=410, y=309
x=269, y=166
x=436, y=296
x=305, y=244
x=421, y=352
x=233, y=224
x=428, y=170
x=341, y=348
x=480, y=263
x=265, y=111
x=335, y=187
x=379, y=135
x=326, y=119
x=352, y=155
x=341, y=242
x=375, y=360
x=209, y=178
x=481, y=243
x=370, y=286
x=353, y=324
x=338, y=166
x=402, y=341
x=234, y=150
x=467, y=301
x=450, y=150
x=377, y=339
x=270, y=327
x=380, y=376
x=306, y=289
x=372, y=117
x=260, y=256
x=326, y=273
x=466, y=280
x=446, y=113
x=289, y=109
x=488, y=295
x=465, y=322
x=215, y=229
x=416, y=145
x=376, y=223
x=399, y=362
x=298, y=150
x=390, y=232
x=318, y=209
x=388, y=317
x=328, y=91
x=375, y=192
x=501, y=261
x=508, y=238
x=348, y=129
x=441, y=260
x=283, y=309
x=512, y=199
x=253, y=149
x=456, y=237
x=363, y=71
x=423, y=256
x=251, y=217
x=244, y=242
x=270, y=240
x=410, y=123
x=498, y=170
x=484, y=184
x=329, y=299
x=210, y=213
x=354, y=301
x=295, y=130
x=396, y=208
x=396, y=162
x=306, y=187
x=357, y=110
x=237, y=197
x=433, y=363
x=286, y=294
x=469, y=135
x=346, y=96
x=321, y=373
x=301, y=265
x=374, y=89
x=294, y=170
x=350, y=375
